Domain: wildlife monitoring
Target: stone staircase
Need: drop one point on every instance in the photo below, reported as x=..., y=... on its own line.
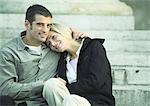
x=128, y=50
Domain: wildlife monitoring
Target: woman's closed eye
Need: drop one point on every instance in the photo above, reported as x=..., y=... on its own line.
x=53, y=37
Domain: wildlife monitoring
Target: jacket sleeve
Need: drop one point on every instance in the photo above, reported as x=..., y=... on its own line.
x=98, y=70
x=9, y=84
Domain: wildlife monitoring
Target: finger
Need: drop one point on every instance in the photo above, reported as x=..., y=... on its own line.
x=84, y=35
x=73, y=30
x=81, y=35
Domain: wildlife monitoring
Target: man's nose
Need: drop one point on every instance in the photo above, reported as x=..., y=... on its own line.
x=45, y=28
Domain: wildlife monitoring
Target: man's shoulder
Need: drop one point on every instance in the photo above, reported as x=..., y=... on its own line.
x=11, y=44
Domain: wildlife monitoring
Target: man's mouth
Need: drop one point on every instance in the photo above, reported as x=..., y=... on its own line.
x=42, y=35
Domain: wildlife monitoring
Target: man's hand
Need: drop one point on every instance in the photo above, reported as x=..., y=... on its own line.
x=77, y=34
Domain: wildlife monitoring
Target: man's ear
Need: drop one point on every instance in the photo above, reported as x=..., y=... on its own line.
x=27, y=24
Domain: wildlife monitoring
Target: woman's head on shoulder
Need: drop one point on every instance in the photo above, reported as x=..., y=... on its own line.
x=59, y=37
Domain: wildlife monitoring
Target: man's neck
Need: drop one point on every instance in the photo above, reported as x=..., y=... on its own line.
x=26, y=39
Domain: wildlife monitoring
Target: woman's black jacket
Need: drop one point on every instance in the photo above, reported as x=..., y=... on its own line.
x=94, y=81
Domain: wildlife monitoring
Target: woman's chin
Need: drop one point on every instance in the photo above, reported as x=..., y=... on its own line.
x=59, y=50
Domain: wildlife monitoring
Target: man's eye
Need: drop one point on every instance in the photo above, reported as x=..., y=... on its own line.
x=48, y=25
x=40, y=24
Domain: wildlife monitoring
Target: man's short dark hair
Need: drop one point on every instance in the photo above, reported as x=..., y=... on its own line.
x=36, y=9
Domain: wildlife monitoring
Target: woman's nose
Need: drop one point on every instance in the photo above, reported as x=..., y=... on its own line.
x=53, y=43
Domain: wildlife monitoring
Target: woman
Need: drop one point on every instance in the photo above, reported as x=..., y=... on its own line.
x=84, y=72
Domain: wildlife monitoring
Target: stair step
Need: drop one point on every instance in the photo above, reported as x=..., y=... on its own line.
x=131, y=75
x=131, y=95
x=127, y=46
x=83, y=22
x=129, y=59
x=126, y=35
x=95, y=22
x=131, y=87
x=105, y=7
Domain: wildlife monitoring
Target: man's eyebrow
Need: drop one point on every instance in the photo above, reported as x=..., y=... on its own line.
x=39, y=23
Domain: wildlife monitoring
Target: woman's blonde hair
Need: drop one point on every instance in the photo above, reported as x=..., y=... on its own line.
x=61, y=29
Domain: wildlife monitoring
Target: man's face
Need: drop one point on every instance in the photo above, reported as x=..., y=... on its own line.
x=39, y=29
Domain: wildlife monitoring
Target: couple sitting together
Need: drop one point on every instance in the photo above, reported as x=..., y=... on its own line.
x=47, y=65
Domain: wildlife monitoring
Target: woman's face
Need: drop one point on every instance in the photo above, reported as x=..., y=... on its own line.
x=57, y=42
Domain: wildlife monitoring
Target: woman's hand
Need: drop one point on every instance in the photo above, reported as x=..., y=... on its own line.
x=77, y=34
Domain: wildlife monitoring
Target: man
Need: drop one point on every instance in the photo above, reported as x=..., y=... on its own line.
x=26, y=62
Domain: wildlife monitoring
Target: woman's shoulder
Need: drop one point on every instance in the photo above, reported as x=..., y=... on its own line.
x=93, y=41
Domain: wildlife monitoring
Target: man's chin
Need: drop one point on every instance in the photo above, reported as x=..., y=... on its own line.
x=43, y=40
